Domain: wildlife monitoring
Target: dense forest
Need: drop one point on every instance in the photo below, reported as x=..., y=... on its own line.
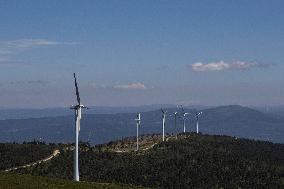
x=191, y=161
x=12, y=154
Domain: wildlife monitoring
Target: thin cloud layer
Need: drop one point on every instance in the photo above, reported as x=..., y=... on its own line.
x=29, y=43
x=31, y=82
x=98, y=86
x=139, y=86
x=131, y=86
x=221, y=66
x=10, y=48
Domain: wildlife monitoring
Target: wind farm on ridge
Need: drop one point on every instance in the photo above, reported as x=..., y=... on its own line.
x=141, y=94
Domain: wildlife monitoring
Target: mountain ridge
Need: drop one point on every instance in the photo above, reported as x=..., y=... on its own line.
x=100, y=128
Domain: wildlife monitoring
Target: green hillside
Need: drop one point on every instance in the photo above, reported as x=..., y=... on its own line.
x=12, y=155
x=18, y=181
x=192, y=161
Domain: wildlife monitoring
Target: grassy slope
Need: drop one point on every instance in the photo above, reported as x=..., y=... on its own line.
x=18, y=181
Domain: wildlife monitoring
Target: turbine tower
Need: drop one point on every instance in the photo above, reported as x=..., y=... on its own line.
x=138, y=122
x=164, y=122
x=176, y=114
x=78, y=114
x=183, y=117
x=197, y=115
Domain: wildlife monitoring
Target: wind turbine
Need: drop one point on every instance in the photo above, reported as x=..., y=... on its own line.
x=197, y=115
x=138, y=122
x=176, y=114
x=183, y=116
x=78, y=114
x=164, y=122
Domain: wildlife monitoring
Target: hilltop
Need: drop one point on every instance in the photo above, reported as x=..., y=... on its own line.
x=191, y=161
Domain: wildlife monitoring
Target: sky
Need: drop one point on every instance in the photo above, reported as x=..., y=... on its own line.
x=128, y=53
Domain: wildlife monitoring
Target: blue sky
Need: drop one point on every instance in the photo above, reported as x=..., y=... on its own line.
x=129, y=53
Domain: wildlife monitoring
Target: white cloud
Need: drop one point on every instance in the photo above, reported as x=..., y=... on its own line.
x=30, y=82
x=29, y=43
x=221, y=65
x=8, y=49
x=139, y=86
x=98, y=86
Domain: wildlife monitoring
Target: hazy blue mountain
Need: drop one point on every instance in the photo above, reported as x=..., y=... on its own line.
x=54, y=112
x=244, y=122
x=99, y=128
x=33, y=113
x=274, y=110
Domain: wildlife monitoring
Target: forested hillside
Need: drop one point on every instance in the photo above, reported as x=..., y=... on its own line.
x=12, y=155
x=17, y=181
x=191, y=161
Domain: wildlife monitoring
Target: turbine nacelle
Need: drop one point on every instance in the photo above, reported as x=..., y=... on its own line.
x=76, y=107
x=184, y=114
x=164, y=113
x=138, y=119
x=198, y=114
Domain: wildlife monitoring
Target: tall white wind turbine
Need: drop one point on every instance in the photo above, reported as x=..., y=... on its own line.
x=78, y=114
x=197, y=115
x=138, y=122
x=164, y=122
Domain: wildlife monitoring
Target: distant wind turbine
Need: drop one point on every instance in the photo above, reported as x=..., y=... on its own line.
x=183, y=117
x=78, y=114
x=138, y=122
x=164, y=122
x=176, y=115
x=197, y=115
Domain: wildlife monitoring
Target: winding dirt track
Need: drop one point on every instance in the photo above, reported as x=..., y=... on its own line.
x=55, y=153
x=142, y=149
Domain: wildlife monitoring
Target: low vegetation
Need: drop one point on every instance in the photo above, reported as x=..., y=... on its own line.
x=128, y=144
x=18, y=181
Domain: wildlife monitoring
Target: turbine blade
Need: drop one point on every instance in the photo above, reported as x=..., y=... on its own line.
x=182, y=108
x=77, y=90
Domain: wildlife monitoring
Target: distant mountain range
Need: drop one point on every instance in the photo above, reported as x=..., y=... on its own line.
x=100, y=128
x=23, y=113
